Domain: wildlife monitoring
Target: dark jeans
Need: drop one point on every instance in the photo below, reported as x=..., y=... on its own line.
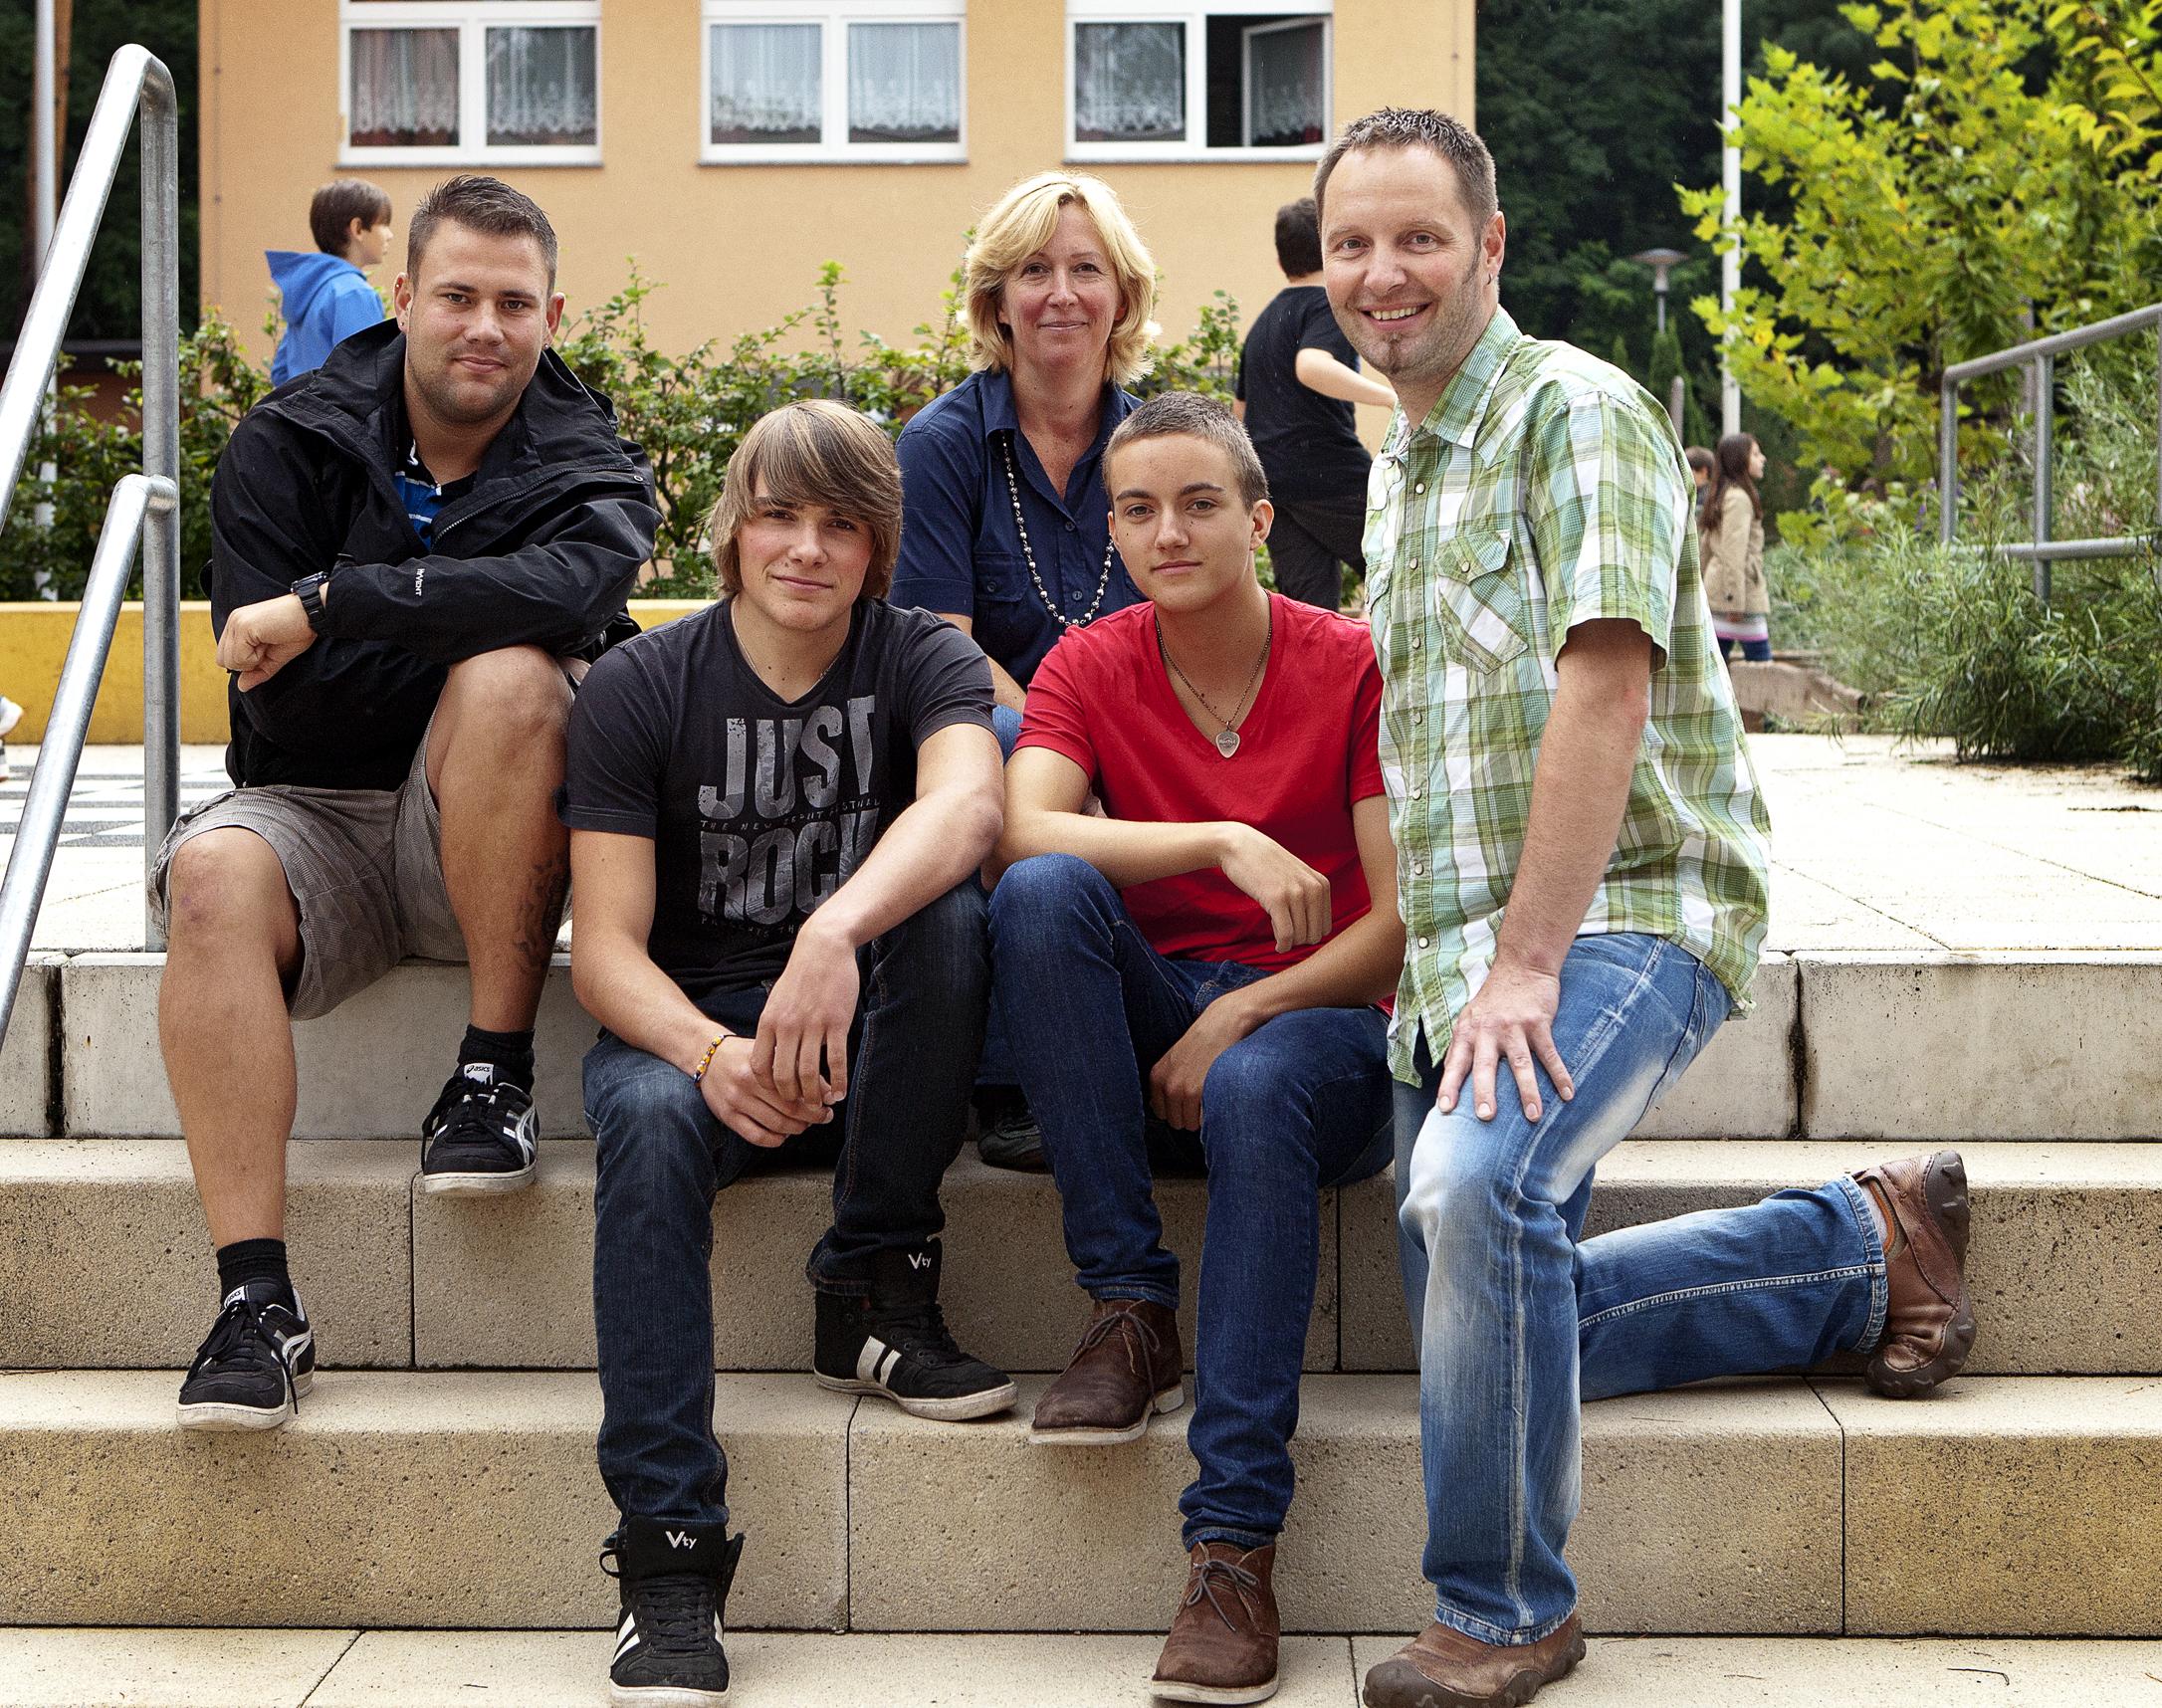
x=660, y=1157
x=1300, y=1104
x=1753, y=651
x=1312, y=536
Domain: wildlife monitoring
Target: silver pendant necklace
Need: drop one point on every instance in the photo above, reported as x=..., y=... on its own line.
x=1028, y=555
x=1226, y=739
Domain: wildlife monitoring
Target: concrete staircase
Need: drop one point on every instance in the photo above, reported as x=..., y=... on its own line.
x=441, y=1477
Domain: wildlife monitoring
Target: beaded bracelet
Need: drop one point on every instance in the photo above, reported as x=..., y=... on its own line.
x=698, y=1074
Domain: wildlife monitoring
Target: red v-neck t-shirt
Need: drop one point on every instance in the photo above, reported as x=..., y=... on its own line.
x=1307, y=750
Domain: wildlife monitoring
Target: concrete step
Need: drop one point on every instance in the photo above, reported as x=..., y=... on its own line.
x=1848, y=1044
x=2006, y=1506
x=2066, y=1261
x=45, y=1667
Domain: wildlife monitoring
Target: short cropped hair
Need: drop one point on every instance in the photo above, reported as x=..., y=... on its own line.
x=1021, y=224
x=338, y=204
x=1420, y=128
x=812, y=451
x=1190, y=415
x=484, y=204
x=1298, y=238
x=1702, y=460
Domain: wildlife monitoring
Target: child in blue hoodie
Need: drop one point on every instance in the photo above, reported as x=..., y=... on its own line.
x=327, y=295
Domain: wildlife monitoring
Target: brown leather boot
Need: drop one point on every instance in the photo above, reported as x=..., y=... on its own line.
x=1444, y=1668
x=1125, y=1365
x=1223, y=1642
x=1928, y=1314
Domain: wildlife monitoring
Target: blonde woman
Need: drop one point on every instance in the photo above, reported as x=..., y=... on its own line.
x=1007, y=534
x=1731, y=526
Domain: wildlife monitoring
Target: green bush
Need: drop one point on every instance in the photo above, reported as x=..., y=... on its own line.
x=689, y=411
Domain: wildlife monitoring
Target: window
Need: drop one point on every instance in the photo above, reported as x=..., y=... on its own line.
x=1189, y=79
x=430, y=83
x=832, y=80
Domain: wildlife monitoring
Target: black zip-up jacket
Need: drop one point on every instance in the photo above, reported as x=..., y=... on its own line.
x=542, y=549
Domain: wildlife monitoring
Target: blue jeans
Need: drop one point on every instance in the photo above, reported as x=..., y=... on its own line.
x=660, y=1157
x=1753, y=651
x=995, y=1069
x=1300, y=1104
x=1516, y=1321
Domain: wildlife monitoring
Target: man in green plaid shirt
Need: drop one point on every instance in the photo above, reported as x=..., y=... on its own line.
x=1582, y=873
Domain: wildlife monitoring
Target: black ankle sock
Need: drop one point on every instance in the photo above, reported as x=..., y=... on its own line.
x=508, y=1053
x=250, y=1260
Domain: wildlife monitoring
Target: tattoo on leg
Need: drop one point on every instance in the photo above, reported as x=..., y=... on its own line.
x=540, y=912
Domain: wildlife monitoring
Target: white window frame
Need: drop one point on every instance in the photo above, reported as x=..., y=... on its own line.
x=834, y=17
x=1195, y=15
x=471, y=18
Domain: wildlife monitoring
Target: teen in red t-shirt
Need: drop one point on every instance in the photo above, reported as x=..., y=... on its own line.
x=1204, y=950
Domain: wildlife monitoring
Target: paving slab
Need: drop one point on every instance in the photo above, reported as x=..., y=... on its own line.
x=2064, y=1256
x=371, y=1070
x=26, y=1077
x=479, y=1669
x=1710, y=1510
x=45, y=1667
x=1970, y=1046
x=136, y=1286
x=2016, y=1506
x=355, y=1513
x=1835, y=1672
x=510, y=1280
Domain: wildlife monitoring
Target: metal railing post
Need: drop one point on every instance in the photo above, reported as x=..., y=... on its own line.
x=160, y=117
x=1948, y=461
x=2045, y=371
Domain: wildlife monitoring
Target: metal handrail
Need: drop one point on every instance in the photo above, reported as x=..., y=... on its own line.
x=145, y=506
x=2043, y=354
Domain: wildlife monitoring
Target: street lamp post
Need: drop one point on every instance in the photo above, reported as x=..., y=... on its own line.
x=1661, y=261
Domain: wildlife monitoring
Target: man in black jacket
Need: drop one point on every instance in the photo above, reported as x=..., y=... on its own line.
x=414, y=548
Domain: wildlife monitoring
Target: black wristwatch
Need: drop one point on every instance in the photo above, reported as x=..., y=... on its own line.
x=308, y=590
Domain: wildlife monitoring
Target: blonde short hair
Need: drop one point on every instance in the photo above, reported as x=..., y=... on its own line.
x=812, y=451
x=1021, y=224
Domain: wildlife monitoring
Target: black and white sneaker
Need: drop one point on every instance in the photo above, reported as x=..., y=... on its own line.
x=675, y=1581
x=480, y=1136
x=896, y=1343
x=252, y=1370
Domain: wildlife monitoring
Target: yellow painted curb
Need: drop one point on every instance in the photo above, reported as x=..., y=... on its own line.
x=34, y=636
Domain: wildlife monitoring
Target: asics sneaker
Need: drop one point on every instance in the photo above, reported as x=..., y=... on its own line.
x=257, y=1361
x=480, y=1136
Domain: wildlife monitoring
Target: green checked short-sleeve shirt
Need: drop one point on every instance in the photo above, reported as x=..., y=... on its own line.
x=1546, y=488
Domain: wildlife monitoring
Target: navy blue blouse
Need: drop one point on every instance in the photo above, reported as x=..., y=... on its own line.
x=960, y=548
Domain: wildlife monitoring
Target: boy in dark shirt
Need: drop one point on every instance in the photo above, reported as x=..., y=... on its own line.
x=777, y=810
x=1298, y=378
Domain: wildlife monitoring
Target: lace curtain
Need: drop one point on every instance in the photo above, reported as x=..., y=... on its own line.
x=765, y=80
x=903, y=82
x=542, y=89
x=1130, y=82
x=1284, y=86
x=404, y=92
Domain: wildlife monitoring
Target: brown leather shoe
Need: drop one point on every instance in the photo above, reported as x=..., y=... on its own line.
x=1125, y=1366
x=1928, y=1314
x=1223, y=1642
x=1444, y=1668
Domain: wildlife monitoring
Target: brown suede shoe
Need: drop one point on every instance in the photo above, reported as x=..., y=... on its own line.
x=1928, y=1314
x=1125, y=1365
x=1444, y=1668
x=1223, y=1642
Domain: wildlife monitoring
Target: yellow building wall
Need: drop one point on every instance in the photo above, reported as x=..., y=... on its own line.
x=738, y=247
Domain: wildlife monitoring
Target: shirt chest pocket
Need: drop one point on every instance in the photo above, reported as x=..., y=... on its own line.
x=1478, y=603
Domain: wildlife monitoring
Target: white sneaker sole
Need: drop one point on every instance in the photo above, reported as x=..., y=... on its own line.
x=224, y=1417
x=479, y=1185
x=956, y=1410
x=1169, y=1400
x=664, y=1696
x=1218, y=1693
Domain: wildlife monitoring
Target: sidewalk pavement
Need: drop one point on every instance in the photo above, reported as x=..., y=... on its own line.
x=1874, y=846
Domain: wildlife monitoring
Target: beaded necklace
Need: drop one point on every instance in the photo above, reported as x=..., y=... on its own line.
x=1028, y=554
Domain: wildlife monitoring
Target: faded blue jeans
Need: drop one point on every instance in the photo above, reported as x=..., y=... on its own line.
x=1516, y=1321
x=1299, y=1104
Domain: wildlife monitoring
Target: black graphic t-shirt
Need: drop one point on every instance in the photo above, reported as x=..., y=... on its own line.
x=758, y=808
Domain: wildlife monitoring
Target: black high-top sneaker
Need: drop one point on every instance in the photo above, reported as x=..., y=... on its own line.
x=674, y=1579
x=254, y=1365
x=895, y=1341
x=481, y=1136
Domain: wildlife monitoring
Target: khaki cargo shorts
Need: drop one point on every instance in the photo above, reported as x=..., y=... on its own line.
x=365, y=866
